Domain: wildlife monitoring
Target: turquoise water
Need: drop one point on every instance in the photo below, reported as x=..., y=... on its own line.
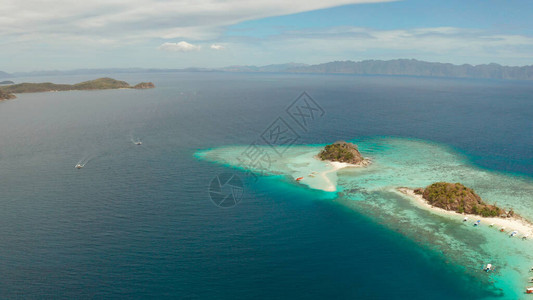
x=412, y=163
x=137, y=221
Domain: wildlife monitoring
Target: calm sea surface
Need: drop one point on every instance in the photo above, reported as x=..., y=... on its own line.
x=137, y=221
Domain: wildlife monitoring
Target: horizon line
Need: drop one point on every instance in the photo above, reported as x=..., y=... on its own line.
x=257, y=66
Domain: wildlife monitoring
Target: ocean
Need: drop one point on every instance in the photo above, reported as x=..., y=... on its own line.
x=138, y=220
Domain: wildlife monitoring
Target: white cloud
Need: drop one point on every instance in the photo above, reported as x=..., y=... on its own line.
x=433, y=40
x=182, y=46
x=139, y=20
x=216, y=47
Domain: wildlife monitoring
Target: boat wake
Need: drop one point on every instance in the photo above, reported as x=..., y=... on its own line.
x=82, y=162
x=135, y=140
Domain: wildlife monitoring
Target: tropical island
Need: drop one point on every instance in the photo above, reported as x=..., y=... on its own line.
x=7, y=92
x=343, y=152
x=456, y=197
x=457, y=200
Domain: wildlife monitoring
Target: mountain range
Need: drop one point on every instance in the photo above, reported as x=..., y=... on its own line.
x=405, y=67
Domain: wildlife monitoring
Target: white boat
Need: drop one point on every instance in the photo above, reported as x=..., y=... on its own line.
x=138, y=143
x=488, y=268
x=465, y=219
x=79, y=166
x=477, y=223
x=525, y=236
x=513, y=233
x=491, y=225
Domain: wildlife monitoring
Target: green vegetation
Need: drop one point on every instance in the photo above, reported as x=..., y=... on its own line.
x=6, y=92
x=101, y=84
x=6, y=82
x=342, y=152
x=35, y=87
x=458, y=198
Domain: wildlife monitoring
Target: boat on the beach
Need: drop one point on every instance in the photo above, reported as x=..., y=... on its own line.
x=502, y=229
x=491, y=225
x=529, y=290
x=465, y=219
x=299, y=178
x=477, y=222
x=513, y=233
x=525, y=236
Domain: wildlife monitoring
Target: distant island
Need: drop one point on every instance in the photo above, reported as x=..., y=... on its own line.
x=343, y=152
x=7, y=92
x=458, y=198
x=397, y=67
x=6, y=82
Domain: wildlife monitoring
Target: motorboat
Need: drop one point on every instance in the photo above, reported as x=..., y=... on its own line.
x=465, y=219
x=477, y=223
x=513, y=233
x=488, y=268
x=138, y=143
x=79, y=166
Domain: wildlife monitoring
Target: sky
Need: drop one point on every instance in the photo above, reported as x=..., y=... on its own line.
x=72, y=34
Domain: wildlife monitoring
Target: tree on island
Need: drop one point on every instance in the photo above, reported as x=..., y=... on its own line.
x=341, y=151
x=456, y=197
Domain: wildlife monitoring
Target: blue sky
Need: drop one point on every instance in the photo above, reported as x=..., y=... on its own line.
x=513, y=17
x=66, y=34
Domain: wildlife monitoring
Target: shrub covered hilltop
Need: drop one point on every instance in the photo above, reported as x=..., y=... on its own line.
x=341, y=151
x=6, y=92
x=456, y=197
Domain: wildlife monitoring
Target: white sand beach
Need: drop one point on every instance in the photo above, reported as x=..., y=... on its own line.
x=521, y=225
x=326, y=179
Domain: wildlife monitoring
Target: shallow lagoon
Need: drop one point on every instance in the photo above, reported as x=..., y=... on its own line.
x=412, y=163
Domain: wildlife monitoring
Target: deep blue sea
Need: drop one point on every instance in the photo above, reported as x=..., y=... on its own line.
x=137, y=220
